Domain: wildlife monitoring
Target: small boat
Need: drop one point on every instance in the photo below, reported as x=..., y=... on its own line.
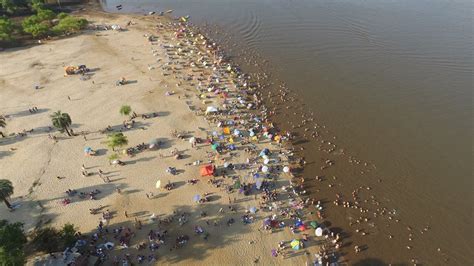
x=169, y=11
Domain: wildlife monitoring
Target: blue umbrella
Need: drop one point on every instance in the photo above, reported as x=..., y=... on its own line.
x=87, y=149
x=196, y=198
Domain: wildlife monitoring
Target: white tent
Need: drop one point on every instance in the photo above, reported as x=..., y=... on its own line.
x=211, y=109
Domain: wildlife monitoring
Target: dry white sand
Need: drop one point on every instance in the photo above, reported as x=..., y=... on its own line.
x=33, y=162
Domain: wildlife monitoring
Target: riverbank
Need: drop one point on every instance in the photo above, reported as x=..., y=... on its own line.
x=173, y=75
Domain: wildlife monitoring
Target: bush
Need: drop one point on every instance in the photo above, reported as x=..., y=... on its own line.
x=8, y=6
x=12, y=239
x=47, y=239
x=36, y=5
x=69, y=24
x=45, y=14
x=68, y=235
x=62, y=15
x=6, y=29
x=37, y=30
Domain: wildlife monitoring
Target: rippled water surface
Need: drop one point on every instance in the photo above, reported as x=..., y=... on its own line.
x=393, y=81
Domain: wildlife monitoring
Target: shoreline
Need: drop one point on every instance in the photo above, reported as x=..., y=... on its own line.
x=144, y=102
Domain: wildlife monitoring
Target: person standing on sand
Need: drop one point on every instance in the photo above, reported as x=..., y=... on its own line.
x=126, y=214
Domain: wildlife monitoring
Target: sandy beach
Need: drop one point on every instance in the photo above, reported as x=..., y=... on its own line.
x=172, y=78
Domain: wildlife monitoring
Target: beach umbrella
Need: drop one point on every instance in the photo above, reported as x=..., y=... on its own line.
x=302, y=227
x=264, y=152
x=109, y=245
x=313, y=224
x=236, y=132
x=214, y=146
x=258, y=184
x=196, y=198
x=266, y=161
x=207, y=170
x=251, y=133
x=267, y=221
x=192, y=140
x=274, y=253
x=87, y=149
x=318, y=231
x=286, y=169
x=256, y=175
x=298, y=223
x=158, y=184
x=295, y=244
x=253, y=209
x=265, y=169
x=214, y=133
x=154, y=143
x=226, y=164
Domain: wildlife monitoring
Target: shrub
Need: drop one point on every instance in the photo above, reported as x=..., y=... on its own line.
x=8, y=6
x=45, y=14
x=12, y=239
x=70, y=24
x=113, y=157
x=36, y=5
x=47, y=239
x=68, y=235
x=62, y=15
x=6, y=29
x=40, y=29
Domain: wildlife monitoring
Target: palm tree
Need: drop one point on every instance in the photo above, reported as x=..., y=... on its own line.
x=61, y=121
x=6, y=190
x=125, y=110
x=3, y=123
x=116, y=140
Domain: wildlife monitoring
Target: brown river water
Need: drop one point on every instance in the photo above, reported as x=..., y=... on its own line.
x=386, y=87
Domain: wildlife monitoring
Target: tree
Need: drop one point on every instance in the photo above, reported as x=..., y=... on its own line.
x=61, y=121
x=125, y=110
x=116, y=140
x=3, y=123
x=12, y=240
x=6, y=29
x=8, y=6
x=6, y=190
x=47, y=239
x=68, y=235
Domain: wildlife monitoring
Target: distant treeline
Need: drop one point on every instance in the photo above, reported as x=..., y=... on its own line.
x=31, y=19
